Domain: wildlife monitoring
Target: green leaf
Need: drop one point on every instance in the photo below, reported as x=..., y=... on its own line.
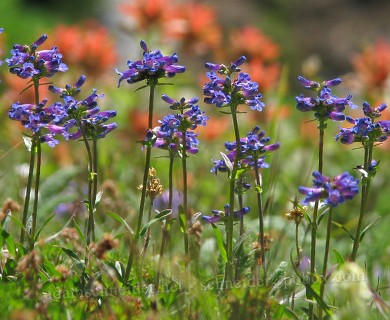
x=240, y=172
x=43, y=225
x=158, y=217
x=367, y=228
x=71, y=254
x=228, y=163
x=339, y=225
x=27, y=142
x=220, y=243
x=240, y=241
x=339, y=258
x=121, y=221
x=182, y=219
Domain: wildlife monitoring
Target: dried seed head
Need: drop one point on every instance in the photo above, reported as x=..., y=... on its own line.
x=70, y=234
x=196, y=230
x=30, y=263
x=10, y=205
x=295, y=214
x=106, y=244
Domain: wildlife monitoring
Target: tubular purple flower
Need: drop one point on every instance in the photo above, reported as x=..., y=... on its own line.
x=219, y=215
x=308, y=84
x=333, y=82
x=333, y=192
x=153, y=67
x=40, y=40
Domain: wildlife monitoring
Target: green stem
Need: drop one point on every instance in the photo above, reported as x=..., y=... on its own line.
x=229, y=224
x=326, y=257
x=321, y=127
x=36, y=194
x=36, y=150
x=261, y=219
x=28, y=189
x=152, y=87
x=91, y=177
x=366, y=182
x=185, y=198
x=165, y=227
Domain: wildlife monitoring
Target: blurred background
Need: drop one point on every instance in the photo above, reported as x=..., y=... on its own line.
x=282, y=39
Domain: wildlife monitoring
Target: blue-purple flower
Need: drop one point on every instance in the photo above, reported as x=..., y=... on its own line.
x=254, y=148
x=152, y=67
x=333, y=192
x=83, y=116
x=40, y=119
x=219, y=215
x=173, y=127
x=325, y=105
x=223, y=90
x=28, y=62
x=364, y=130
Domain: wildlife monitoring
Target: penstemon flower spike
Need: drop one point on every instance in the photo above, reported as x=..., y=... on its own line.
x=27, y=62
x=367, y=131
x=153, y=67
x=325, y=106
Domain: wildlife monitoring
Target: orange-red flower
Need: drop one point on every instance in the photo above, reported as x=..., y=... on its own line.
x=86, y=47
x=373, y=65
x=261, y=51
x=148, y=14
x=195, y=25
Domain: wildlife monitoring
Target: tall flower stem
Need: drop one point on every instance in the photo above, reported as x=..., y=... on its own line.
x=185, y=199
x=363, y=204
x=314, y=223
x=152, y=87
x=91, y=177
x=28, y=188
x=166, y=225
x=326, y=257
x=36, y=193
x=229, y=225
x=261, y=218
x=36, y=150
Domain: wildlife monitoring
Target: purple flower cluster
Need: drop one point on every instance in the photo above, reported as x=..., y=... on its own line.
x=325, y=105
x=253, y=150
x=334, y=192
x=26, y=62
x=366, y=129
x=169, y=135
x=219, y=215
x=83, y=116
x=152, y=67
x=67, y=118
x=224, y=90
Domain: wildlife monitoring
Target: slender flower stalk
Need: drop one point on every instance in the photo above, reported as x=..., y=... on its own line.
x=176, y=134
x=84, y=120
x=325, y=106
x=326, y=257
x=151, y=68
x=368, y=131
x=29, y=63
x=227, y=92
x=260, y=217
x=165, y=228
x=334, y=192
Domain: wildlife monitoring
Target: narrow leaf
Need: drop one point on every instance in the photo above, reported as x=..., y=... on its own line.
x=121, y=221
x=158, y=217
x=339, y=225
x=367, y=228
x=220, y=243
x=27, y=142
x=228, y=163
